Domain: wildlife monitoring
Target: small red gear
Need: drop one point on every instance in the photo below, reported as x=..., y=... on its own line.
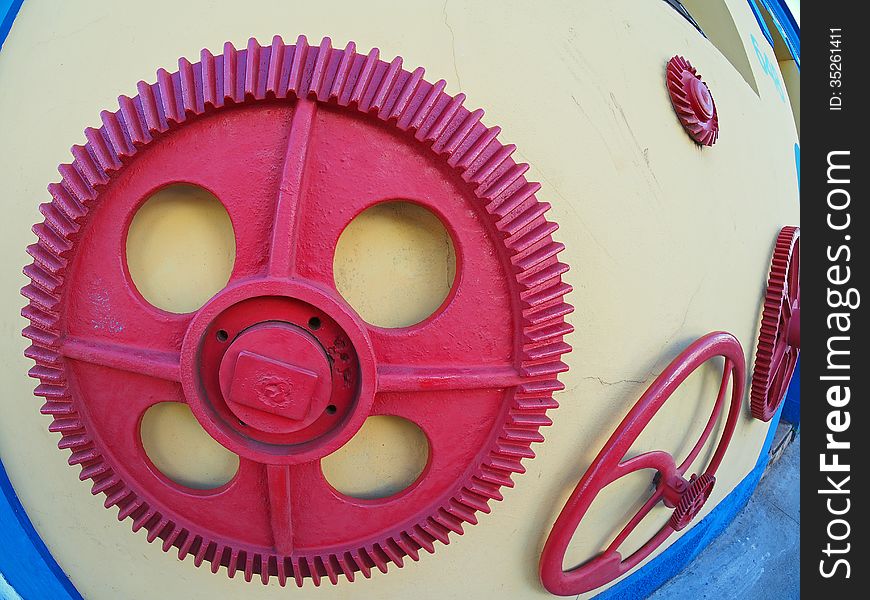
x=692, y=501
x=477, y=376
x=692, y=101
x=779, y=338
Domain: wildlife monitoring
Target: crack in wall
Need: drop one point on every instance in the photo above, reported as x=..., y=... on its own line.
x=452, y=45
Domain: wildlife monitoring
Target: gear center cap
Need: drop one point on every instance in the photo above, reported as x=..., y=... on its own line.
x=700, y=97
x=275, y=377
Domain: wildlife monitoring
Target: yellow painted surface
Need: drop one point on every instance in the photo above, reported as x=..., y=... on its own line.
x=714, y=18
x=791, y=75
x=181, y=449
x=385, y=456
x=666, y=241
x=394, y=264
x=180, y=248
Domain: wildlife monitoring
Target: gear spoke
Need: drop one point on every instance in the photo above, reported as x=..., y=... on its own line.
x=659, y=460
x=634, y=522
x=781, y=372
x=124, y=357
x=417, y=378
x=280, y=507
x=455, y=424
x=282, y=253
x=794, y=283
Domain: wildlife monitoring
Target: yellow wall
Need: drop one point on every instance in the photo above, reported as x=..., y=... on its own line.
x=666, y=241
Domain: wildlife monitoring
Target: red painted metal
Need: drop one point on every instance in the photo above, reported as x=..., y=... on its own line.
x=779, y=339
x=686, y=497
x=692, y=101
x=296, y=141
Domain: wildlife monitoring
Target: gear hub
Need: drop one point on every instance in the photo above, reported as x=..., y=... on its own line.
x=296, y=140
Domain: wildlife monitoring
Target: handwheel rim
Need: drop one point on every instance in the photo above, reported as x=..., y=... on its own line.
x=305, y=79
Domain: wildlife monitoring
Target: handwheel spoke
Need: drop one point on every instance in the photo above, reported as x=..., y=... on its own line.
x=634, y=522
x=659, y=460
x=416, y=378
x=711, y=422
x=280, y=507
x=282, y=253
x=124, y=357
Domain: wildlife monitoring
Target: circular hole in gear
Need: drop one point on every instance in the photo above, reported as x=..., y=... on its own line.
x=180, y=248
x=395, y=264
x=181, y=449
x=385, y=456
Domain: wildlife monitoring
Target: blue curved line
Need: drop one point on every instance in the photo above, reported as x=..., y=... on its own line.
x=785, y=23
x=761, y=23
x=25, y=562
x=8, y=11
x=797, y=164
x=787, y=26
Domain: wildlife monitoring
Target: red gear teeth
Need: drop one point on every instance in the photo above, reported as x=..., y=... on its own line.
x=692, y=101
x=692, y=500
x=354, y=82
x=778, y=348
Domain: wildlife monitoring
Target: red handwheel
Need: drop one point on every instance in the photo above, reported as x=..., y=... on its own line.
x=779, y=339
x=295, y=141
x=685, y=495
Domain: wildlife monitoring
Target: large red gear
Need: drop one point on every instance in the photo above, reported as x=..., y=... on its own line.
x=692, y=101
x=296, y=140
x=779, y=338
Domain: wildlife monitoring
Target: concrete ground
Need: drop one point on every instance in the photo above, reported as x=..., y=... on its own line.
x=758, y=556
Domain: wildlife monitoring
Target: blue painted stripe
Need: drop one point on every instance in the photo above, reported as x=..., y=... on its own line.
x=674, y=559
x=787, y=26
x=791, y=412
x=797, y=164
x=8, y=11
x=761, y=22
x=25, y=562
